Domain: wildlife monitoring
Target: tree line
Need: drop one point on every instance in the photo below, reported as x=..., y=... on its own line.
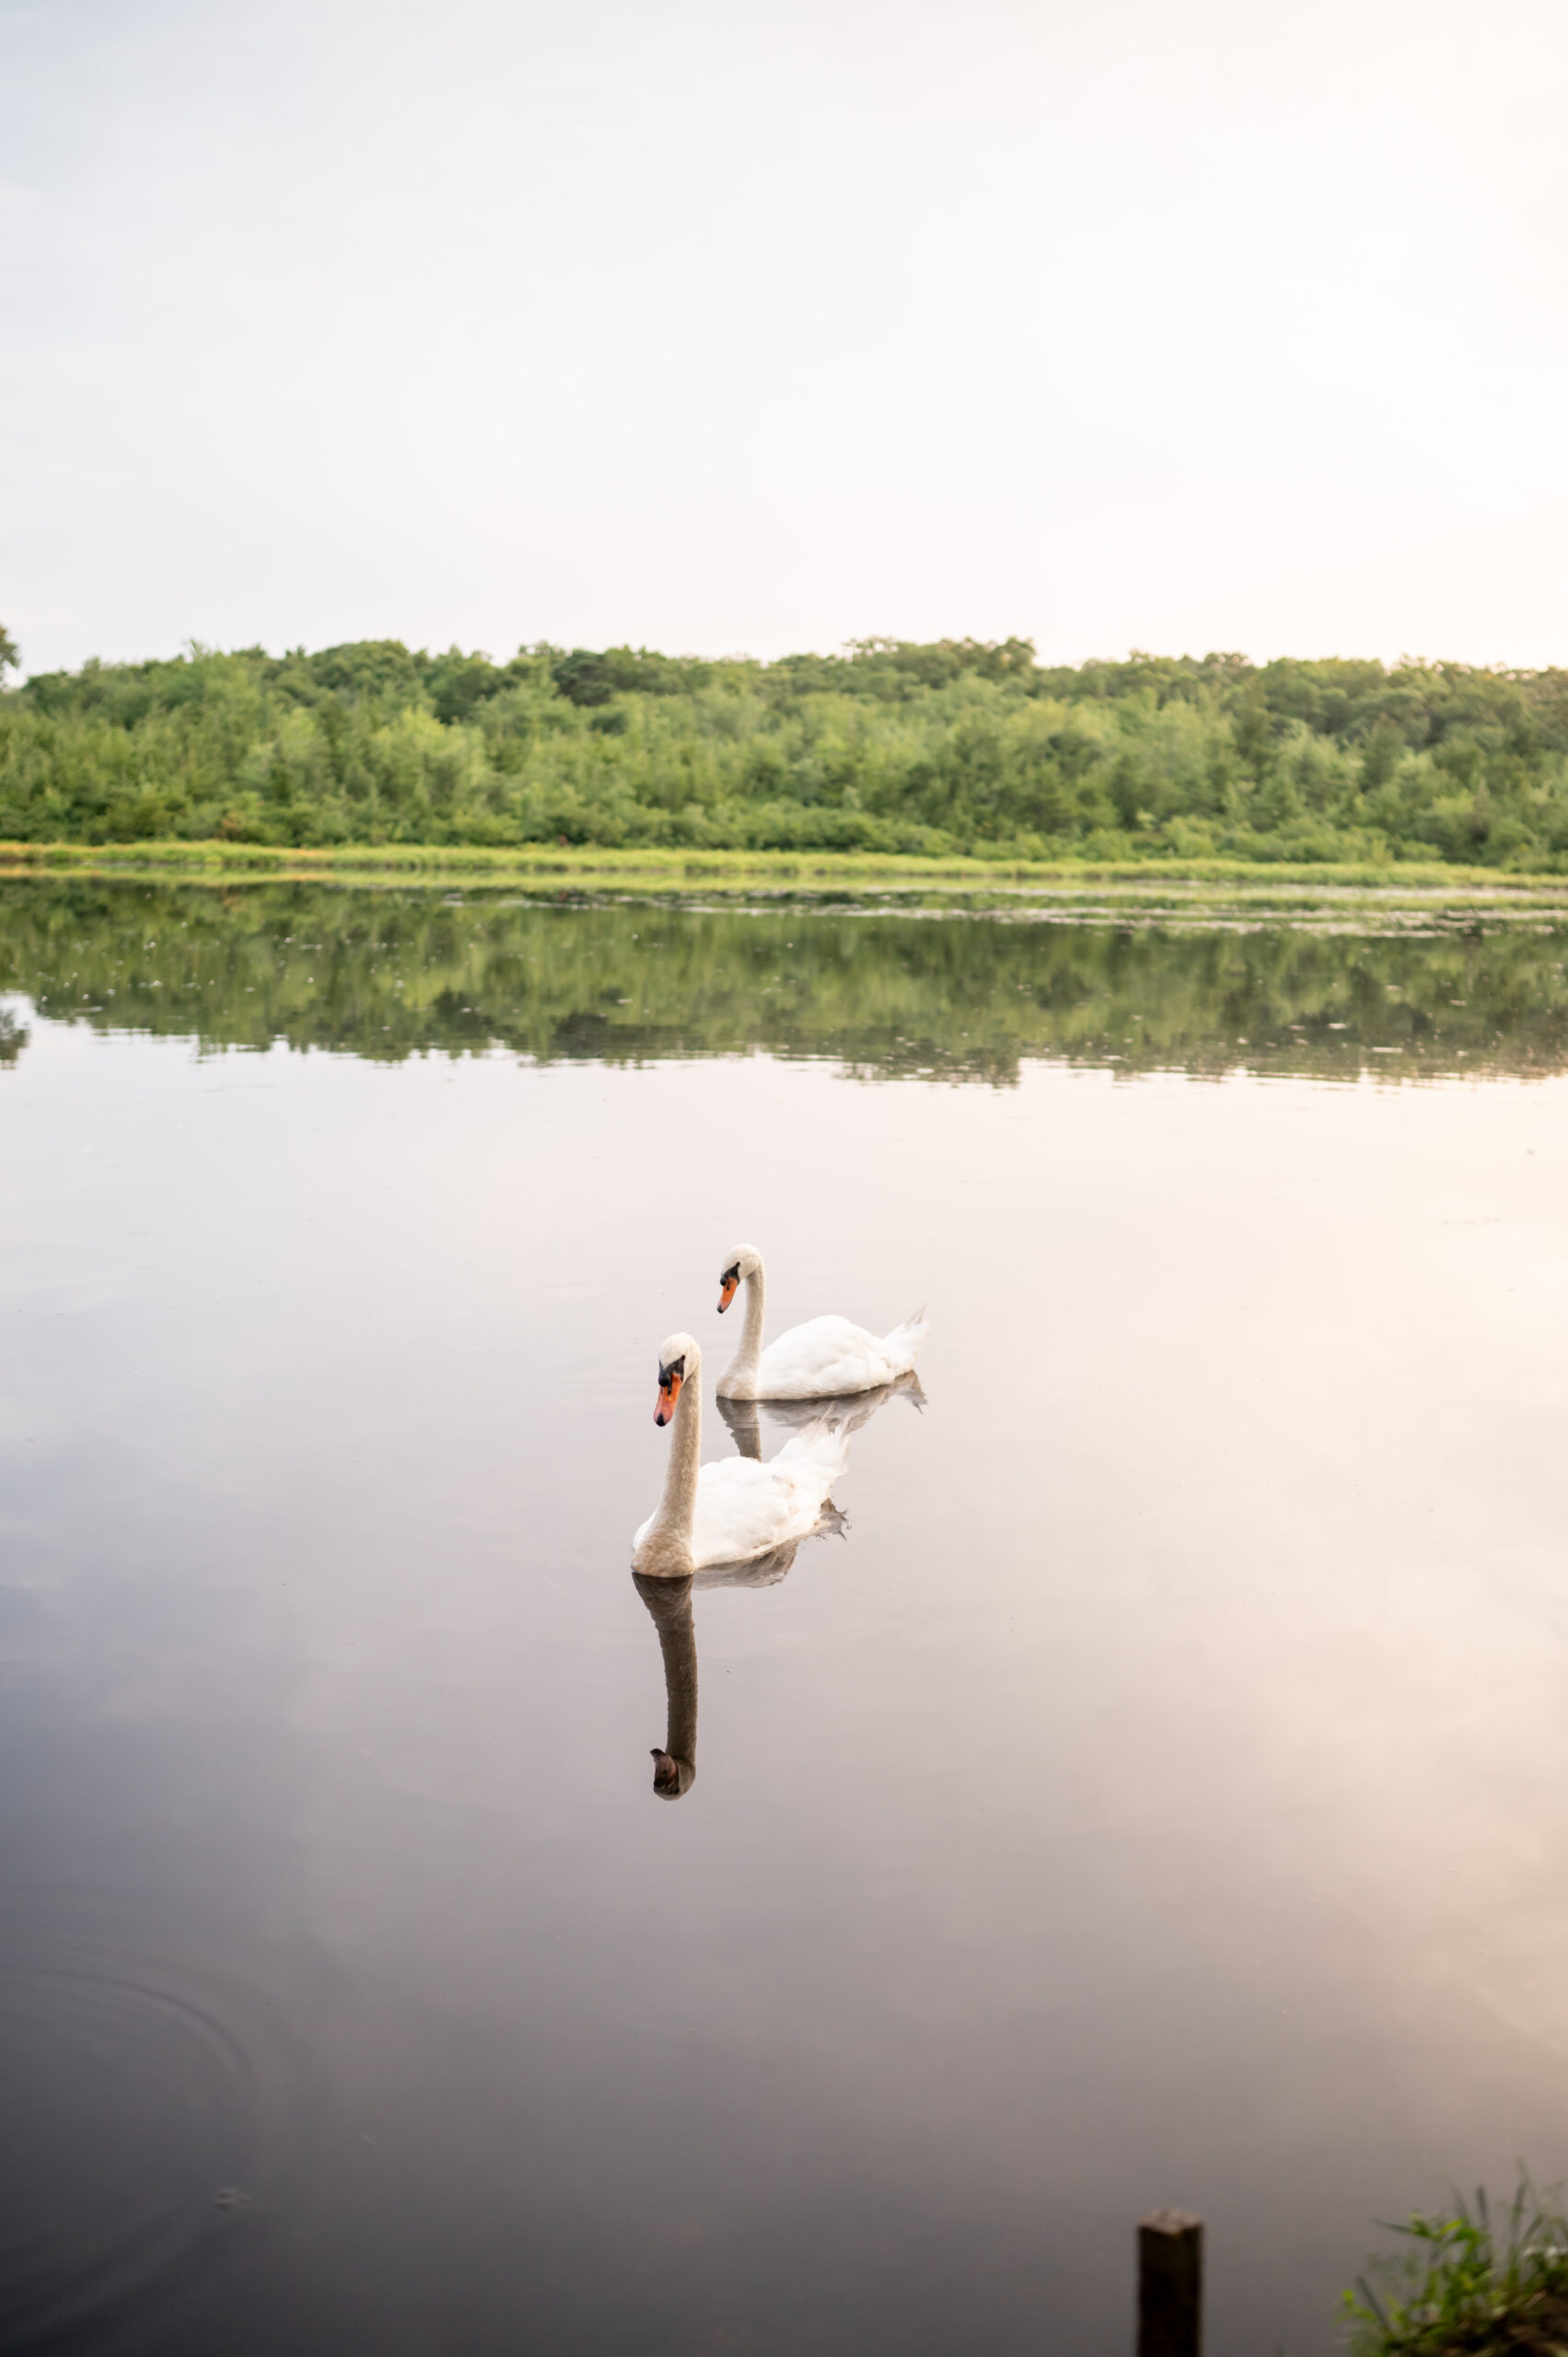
x=960, y=746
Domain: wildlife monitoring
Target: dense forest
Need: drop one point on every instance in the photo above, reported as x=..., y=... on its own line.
x=954, y=746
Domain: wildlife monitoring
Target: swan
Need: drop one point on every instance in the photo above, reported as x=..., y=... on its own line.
x=826, y=1356
x=736, y=1509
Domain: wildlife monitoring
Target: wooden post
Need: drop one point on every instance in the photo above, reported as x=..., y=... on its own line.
x=1170, y=2284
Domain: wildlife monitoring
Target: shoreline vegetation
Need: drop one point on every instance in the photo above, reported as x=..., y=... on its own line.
x=959, y=752
x=838, y=874
x=1468, y=2283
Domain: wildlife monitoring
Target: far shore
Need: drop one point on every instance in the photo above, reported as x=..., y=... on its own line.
x=689, y=868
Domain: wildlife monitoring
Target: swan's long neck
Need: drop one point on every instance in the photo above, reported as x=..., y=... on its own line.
x=743, y=1364
x=678, y=1503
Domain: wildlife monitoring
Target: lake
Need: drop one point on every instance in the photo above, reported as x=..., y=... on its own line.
x=1157, y=1793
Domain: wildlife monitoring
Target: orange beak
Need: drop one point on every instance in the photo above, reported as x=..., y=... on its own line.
x=727, y=1292
x=668, y=1393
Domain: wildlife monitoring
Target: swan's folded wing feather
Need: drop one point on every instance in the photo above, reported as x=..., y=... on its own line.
x=745, y=1509
x=825, y=1355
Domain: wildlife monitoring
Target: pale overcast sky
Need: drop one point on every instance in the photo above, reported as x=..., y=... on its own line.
x=766, y=324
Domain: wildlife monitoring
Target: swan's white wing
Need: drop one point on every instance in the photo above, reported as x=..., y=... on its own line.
x=830, y=1354
x=737, y=1516
x=745, y=1509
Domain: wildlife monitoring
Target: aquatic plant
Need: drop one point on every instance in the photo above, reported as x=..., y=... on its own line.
x=1467, y=2285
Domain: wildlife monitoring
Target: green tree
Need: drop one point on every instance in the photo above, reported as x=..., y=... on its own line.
x=959, y=745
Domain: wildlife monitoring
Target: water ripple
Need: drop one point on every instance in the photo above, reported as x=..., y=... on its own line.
x=129, y=2138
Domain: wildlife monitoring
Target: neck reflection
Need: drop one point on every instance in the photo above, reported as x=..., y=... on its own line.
x=744, y=1425
x=669, y=1601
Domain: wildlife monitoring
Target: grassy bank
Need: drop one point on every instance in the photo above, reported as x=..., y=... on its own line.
x=595, y=867
x=1468, y=2285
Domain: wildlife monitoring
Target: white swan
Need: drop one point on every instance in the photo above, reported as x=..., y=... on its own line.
x=826, y=1356
x=736, y=1509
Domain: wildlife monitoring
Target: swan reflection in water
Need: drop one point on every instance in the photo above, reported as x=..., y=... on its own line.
x=847, y=1415
x=669, y=1601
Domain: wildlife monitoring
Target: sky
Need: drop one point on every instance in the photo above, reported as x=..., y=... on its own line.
x=758, y=325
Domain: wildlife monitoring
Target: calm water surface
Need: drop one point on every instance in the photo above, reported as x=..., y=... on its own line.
x=1158, y=1793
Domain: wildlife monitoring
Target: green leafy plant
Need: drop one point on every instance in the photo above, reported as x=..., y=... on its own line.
x=1467, y=2285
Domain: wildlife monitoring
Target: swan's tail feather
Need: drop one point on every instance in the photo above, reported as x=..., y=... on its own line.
x=905, y=1340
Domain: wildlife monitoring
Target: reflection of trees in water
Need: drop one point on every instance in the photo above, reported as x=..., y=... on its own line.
x=385, y=973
